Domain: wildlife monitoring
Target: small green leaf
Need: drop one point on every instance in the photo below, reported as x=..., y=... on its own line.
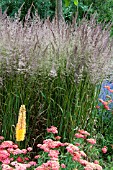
x=67, y=2
x=76, y=2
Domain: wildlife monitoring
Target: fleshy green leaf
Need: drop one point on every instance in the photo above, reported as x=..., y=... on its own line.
x=76, y=2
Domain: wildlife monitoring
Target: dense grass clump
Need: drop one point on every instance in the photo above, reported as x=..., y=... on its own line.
x=49, y=100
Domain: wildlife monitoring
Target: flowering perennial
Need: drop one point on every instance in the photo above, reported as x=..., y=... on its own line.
x=12, y=157
x=21, y=125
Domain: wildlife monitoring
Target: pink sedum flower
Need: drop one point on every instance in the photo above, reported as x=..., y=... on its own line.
x=54, y=165
x=52, y=129
x=26, y=159
x=24, y=151
x=15, y=146
x=20, y=160
x=83, y=132
x=17, y=151
x=104, y=149
x=58, y=137
x=91, y=141
x=3, y=155
x=76, y=156
x=79, y=135
x=83, y=162
x=6, y=144
x=37, y=156
x=63, y=165
x=96, y=162
x=72, y=148
x=53, y=154
x=6, y=161
x=29, y=149
x=83, y=153
x=1, y=138
x=77, y=144
x=33, y=163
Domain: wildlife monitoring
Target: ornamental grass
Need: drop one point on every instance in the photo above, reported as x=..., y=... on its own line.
x=55, y=74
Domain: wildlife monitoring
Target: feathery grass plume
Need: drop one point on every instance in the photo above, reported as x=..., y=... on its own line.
x=36, y=46
x=21, y=125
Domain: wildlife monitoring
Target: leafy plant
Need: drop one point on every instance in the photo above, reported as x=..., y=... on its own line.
x=52, y=155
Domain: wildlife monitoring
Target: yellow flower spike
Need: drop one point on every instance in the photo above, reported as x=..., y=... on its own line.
x=21, y=125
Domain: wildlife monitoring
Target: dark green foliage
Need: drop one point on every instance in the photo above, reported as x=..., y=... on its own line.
x=46, y=8
x=12, y=6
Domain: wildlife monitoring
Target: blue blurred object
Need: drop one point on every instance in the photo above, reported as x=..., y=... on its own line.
x=104, y=92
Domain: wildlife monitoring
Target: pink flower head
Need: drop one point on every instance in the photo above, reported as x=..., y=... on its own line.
x=54, y=165
x=37, y=156
x=76, y=156
x=98, y=167
x=96, y=162
x=17, y=151
x=20, y=160
x=33, y=163
x=29, y=149
x=24, y=151
x=3, y=155
x=83, y=162
x=51, y=144
x=6, y=144
x=91, y=166
x=83, y=153
x=44, y=147
x=63, y=165
x=15, y=146
x=104, y=149
x=72, y=148
x=79, y=135
x=10, y=150
x=58, y=137
x=53, y=154
x=1, y=138
x=51, y=164
x=26, y=158
x=77, y=144
x=52, y=129
x=92, y=141
x=83, y=132
x=6, y=161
